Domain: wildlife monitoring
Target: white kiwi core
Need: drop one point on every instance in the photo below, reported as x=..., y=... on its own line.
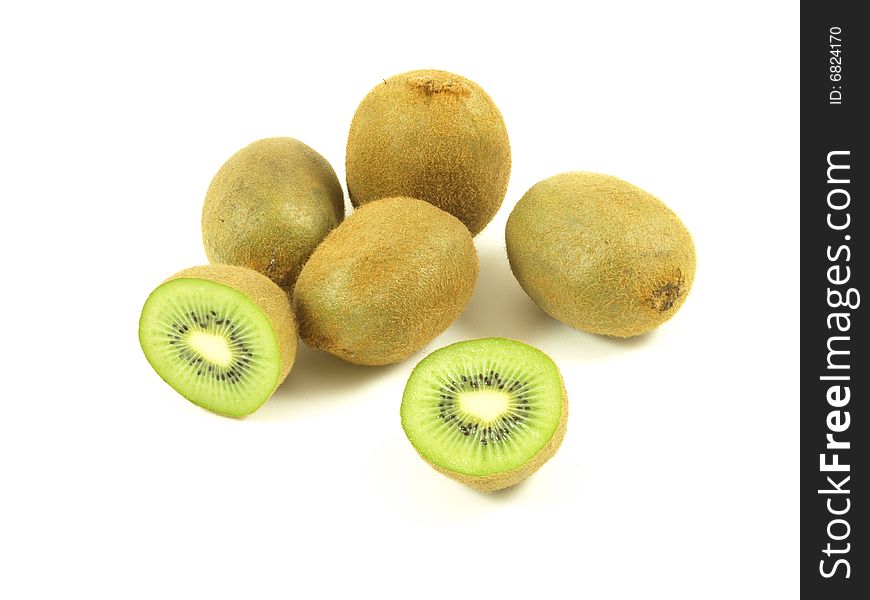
x=212, y=347
x=486, y=405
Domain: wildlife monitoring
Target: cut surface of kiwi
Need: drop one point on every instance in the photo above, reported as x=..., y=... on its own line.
x=213, y=343
x=487, y=412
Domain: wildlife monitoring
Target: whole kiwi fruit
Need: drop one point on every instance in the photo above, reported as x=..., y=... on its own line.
x=431, y=135
x=269, y=206
x=385, y=282
x=600, y=254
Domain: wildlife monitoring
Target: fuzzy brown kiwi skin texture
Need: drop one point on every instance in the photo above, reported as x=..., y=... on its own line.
x=263, y=292
x=432, y=135
x=600, y=254
x=269, y=206
x=387, y=281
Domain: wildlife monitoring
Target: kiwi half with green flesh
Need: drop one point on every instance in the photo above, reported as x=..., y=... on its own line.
x=269, y=206
x=600, y=254
x=224, y=337
x=386, y=282
x=486, y=412
x=432, y=135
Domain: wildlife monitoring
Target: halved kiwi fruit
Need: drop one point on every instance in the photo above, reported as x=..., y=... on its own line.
x=224, y=337
x=486, y=412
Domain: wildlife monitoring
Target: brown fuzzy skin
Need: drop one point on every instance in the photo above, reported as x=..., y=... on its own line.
x=600, y=254
x=386, y=282
x=431, y=135
x=269, y=206
x=506, y=479
x=262, y=292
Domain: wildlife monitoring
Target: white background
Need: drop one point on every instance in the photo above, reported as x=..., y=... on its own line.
x=678, y=476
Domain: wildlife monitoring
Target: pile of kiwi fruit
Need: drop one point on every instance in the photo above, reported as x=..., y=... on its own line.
x=427, y=164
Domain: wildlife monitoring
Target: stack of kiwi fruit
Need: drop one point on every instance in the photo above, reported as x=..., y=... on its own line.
x=428, y=162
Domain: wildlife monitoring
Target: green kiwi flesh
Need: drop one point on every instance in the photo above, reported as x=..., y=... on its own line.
x=223, y=337
x=486, y=412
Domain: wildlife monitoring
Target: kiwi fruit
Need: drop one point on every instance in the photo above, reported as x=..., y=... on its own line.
x=486, y=412
x=269, y=206
x=385, y=282
x=600, y=254
x=222, y=336
x=431, y=135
